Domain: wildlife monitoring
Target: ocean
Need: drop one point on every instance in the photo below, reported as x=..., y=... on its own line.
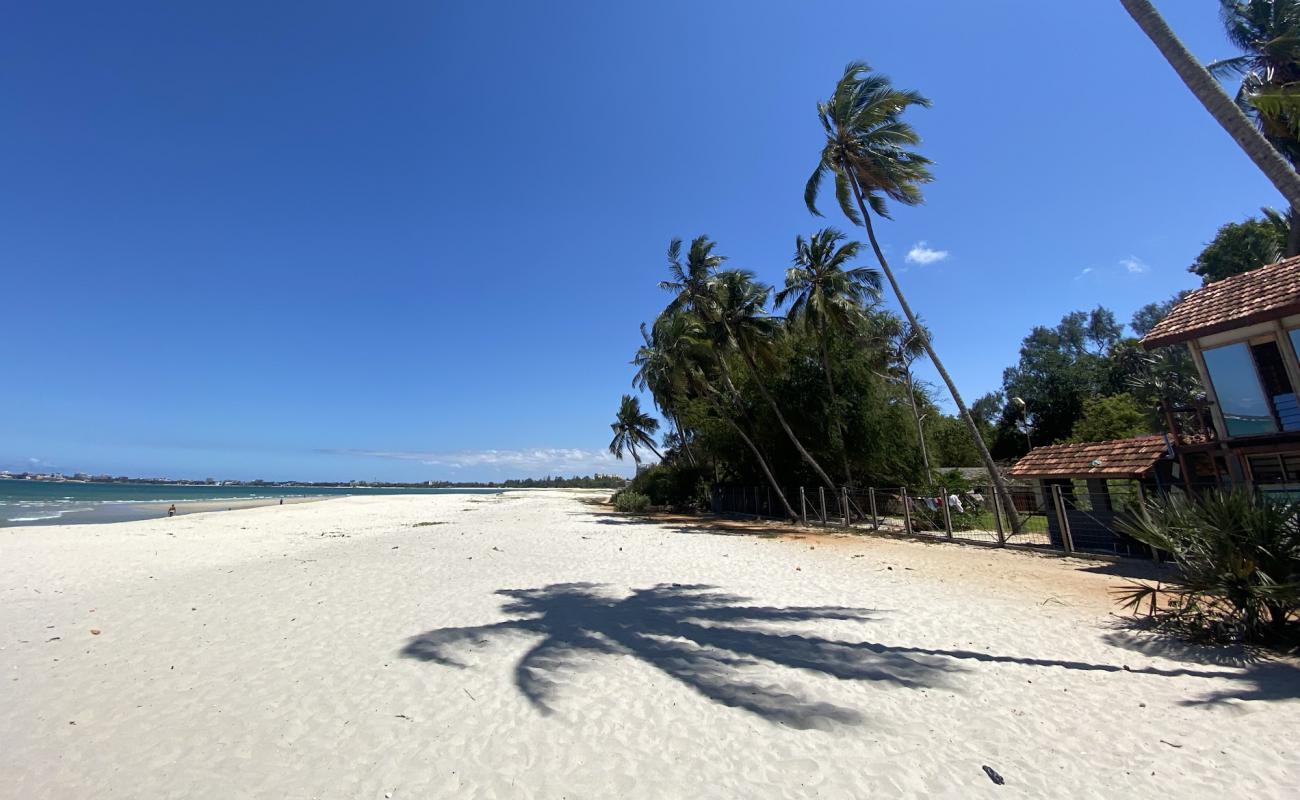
x=24, y=502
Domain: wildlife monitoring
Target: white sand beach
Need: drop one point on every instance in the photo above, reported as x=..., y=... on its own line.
x=532, y=645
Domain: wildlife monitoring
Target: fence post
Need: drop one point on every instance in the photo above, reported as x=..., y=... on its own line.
x=821, y=493
x=803, y=505
x=907, y=511
x=997, y=518
x=844, y=503
x=875, y=521
x=947, y=513
x=1063, y=520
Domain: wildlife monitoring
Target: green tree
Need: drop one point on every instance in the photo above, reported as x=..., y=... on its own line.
x=1240, y=247
x=632, y=427
x=738, y=305
x=1115, y=417
x=867, y=150
x=1267, y=32
x=826, y=296
x=1207, y=90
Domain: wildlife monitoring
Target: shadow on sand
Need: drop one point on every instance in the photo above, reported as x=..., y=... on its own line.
x=711, y=641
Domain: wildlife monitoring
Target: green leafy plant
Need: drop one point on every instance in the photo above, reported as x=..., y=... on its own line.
x=631, y=502
x=1238, y=559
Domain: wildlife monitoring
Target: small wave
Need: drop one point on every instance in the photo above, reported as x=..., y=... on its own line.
x=55, y=515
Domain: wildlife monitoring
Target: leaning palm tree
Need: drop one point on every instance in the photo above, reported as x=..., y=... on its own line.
x=1202, y=84
x=741, y=324
x=867, y=152
x=657, y=373
x=827, y=297
x=633, y=427
x=1267, y=32
x=690, y=279
x=678, y=349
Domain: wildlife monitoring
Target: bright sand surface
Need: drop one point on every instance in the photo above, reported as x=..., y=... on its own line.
x=533, y=645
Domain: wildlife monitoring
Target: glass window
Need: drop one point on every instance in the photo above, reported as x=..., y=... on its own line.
x=1246, y=410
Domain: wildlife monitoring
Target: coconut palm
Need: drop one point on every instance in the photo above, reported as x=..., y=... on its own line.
x=1202, y=84
x=1268, y=34
x=906, y=344
x=827, y=297
x=867, y=152
x=678, y=356
x=699, y=288
x=657, y=373
x=740, y=323
x=633, y=427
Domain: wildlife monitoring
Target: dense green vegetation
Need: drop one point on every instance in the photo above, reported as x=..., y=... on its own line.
x=1238, y=556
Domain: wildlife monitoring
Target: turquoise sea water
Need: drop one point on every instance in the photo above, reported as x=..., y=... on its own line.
x=24, y=502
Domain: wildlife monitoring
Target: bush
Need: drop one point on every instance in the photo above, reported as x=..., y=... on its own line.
x=1238, y=559
x=631, y=502
x=677, y=486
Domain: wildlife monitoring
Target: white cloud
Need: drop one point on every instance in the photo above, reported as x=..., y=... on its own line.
x=923, y=254
x=1084, y=272
x=1134, y=265
x=518, y=463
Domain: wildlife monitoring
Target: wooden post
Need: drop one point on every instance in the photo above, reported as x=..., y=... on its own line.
x=844, y=503
x=997, y=518
x=821, y=493
x=875, y=521
x=1062, y=519
x=907, y=511
x=947, y=513
x=803, y=505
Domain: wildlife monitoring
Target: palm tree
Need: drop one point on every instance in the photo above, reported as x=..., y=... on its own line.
x=633, y=427
x=657, y=374
x=699, y=289
x=827, y=297
x=906, y=345
x=678, y=353
x=741, y=323
x=1268, y=34
x=1202, y=84
x=867, y=151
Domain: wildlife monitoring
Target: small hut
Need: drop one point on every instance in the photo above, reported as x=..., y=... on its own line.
x=1096, y=482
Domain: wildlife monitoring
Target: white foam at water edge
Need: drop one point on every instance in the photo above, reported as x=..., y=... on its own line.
x=55, y=515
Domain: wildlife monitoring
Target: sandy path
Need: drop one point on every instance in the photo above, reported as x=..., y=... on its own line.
x=334, y=650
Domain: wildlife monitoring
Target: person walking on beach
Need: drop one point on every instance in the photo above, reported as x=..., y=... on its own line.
x=171, y=512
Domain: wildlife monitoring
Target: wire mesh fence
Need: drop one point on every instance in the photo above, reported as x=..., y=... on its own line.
x=1067, y=516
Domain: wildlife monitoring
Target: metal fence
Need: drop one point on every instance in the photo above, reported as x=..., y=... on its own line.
x=1067, y=517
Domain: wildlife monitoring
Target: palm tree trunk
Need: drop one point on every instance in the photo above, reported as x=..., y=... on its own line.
x=920, y=432
x=653, y=450
x=999, y=485
x=758, y=456
x=835, y=416
x=762, y=389
x=1216, y=101
x=681, y=433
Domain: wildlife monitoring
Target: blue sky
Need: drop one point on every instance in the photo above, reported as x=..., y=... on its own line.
x=415, y=240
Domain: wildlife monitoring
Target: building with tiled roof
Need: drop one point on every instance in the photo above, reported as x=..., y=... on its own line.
x=1117, y=459
x=1243, y=333
x=1259, y=296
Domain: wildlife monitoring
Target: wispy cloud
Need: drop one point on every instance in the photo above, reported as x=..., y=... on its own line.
x=923, y=254
x=518, y=463
x=1134, y=265
x=1083, y=272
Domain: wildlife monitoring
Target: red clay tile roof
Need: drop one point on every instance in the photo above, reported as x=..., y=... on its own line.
x=1257, y=296
x=1120, y=458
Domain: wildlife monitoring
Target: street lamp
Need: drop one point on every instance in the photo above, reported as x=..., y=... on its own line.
x=1024, y=419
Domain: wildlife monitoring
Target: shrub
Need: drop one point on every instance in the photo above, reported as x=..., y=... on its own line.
x=1238, y=559
x=631, y=502
x=678, y=486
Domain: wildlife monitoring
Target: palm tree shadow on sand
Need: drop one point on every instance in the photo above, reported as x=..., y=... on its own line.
x=694, y=634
